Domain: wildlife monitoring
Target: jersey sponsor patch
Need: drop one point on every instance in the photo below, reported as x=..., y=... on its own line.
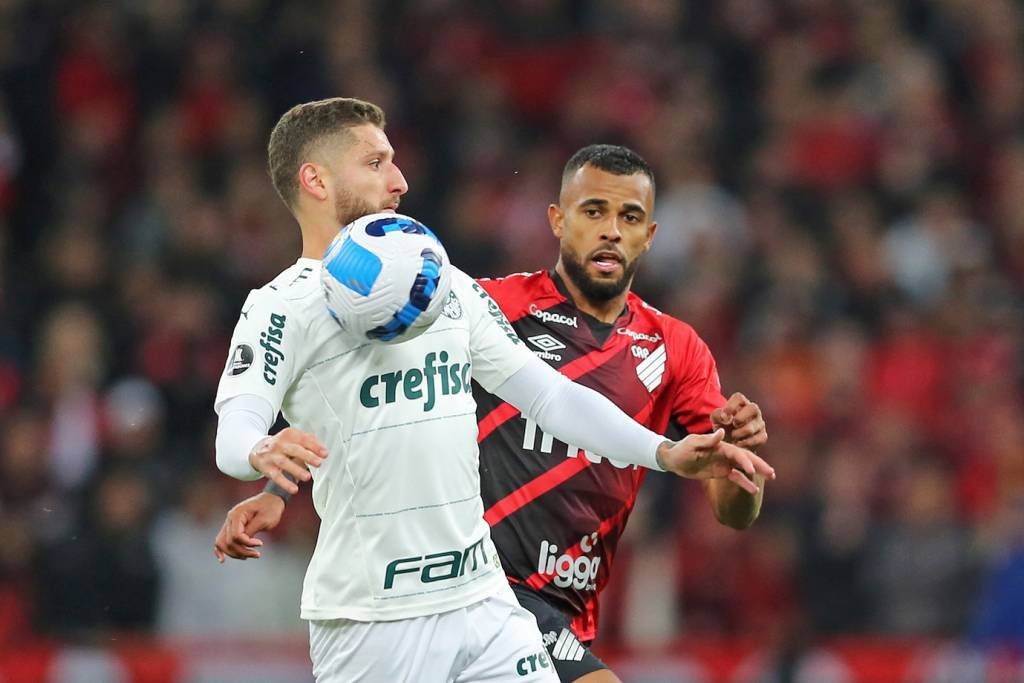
x=240, y=361
x=567, y=648
x=568, y=570
x=270, y=342
x=639, y=336
x=552, y=317
x=652, y=369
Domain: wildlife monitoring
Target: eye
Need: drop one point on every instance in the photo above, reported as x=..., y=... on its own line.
x=375, y=163
x=591, y=212
x=632, y=218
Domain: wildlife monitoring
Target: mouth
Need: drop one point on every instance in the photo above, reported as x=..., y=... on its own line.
x=606, y=260
x=390, y=207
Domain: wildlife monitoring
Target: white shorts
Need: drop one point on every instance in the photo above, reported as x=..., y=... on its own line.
x=493, y=640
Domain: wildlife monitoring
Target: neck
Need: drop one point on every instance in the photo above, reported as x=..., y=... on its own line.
x=317, y=234
x=607, y=311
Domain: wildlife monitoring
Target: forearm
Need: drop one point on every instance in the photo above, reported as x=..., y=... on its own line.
x=733, y=506
x=243, y=422
x=575, y=414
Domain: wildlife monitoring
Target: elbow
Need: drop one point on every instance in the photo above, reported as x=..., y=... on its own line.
x=232, y=463
x=224, y=462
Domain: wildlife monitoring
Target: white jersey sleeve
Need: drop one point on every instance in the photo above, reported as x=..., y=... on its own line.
x=497, y=351
x=264, y=355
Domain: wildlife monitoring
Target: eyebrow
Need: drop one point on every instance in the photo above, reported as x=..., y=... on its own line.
x=379, y=152
x=628, y=206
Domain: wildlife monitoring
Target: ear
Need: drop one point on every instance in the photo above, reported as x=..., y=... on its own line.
x=312, y=179
x=556, y=220
x=651, y=229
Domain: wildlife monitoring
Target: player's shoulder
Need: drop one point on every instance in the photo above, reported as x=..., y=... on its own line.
x=513, y=281
x=297, y=286
x=297, y=282
x=515, y=293
x=677, y=332
x=294, y=292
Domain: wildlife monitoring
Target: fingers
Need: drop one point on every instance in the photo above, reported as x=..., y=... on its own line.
x=757, y=440
x=761, y=466
x=300, y=454
x=739, y=457
x=720, y=417
x=241, y=537
x=705, y=442
x=289, y=460
x=747, y=425
x=747, y=462
x=748, y=430
x=308, y=441
x=277, y=476
x=738, y=478
x=729, y=414
x=232, y=541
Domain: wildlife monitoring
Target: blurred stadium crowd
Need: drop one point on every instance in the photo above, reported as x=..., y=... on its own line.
x=841, y=209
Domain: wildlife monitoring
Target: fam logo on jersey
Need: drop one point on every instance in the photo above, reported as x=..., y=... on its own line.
x=578, y=572
x=452, y=307
x=240, y=361
x=442, y=566
x=652, y=368
x=546, y=343
x=549, y=317
x=270, y=342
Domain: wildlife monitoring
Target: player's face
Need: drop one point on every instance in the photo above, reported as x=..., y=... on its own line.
x=603, y=223
x=365, y=177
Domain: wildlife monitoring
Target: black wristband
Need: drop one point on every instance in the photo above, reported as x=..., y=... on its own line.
x=273, y=488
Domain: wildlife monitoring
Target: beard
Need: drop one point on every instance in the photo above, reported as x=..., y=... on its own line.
x=348, y=207
x=594, y=289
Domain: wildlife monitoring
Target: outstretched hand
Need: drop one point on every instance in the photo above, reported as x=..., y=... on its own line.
x=289, y=452
x=710, y=456
x=237, y=536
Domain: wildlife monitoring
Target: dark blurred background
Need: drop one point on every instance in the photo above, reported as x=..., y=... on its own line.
x=841, y=210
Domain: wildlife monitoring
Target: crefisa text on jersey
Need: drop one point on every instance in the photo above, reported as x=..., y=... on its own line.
x=270, y=342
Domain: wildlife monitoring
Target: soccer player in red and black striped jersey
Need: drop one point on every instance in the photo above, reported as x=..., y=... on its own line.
x=556, y=512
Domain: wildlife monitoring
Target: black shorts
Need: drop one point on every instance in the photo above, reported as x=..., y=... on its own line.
x=571, y=658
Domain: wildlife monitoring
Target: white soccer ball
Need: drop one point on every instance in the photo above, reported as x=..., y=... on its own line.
x=386, y=278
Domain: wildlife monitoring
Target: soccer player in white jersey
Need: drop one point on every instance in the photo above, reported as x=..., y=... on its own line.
x=404, y=583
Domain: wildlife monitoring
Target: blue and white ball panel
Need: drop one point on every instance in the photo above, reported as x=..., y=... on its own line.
x=397, y=223
x=354, y=266
x=420, y=296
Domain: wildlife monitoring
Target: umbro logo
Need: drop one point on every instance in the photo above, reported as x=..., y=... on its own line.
x=545, y=342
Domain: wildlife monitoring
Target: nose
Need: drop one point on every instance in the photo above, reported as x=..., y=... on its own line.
x=611, y=231
x=398, y=185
